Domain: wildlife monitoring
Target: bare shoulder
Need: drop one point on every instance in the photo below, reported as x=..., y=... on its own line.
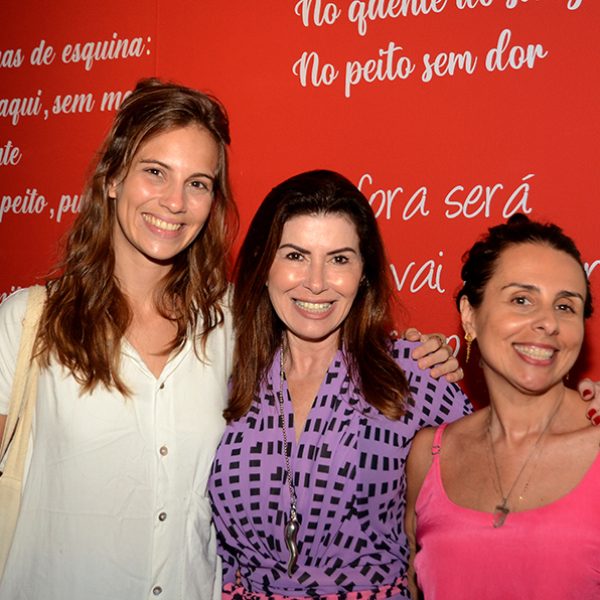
x=422, y=442
x=466, y=425
x=419, y=458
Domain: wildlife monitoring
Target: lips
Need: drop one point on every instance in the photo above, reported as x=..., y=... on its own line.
x=535, y=352
x=313, y=307
x=160, y=224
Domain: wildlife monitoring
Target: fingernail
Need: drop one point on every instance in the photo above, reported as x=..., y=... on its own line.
x=591, y=413
x=596, y=420
x=587, y=394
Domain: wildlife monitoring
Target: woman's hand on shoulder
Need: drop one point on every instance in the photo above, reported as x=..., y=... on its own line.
x=435, y=354
x=590, y=390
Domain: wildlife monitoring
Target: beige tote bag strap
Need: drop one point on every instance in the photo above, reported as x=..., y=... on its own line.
x=20, y=415
x=33, y=312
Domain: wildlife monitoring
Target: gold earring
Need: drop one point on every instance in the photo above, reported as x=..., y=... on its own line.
x=469, y=340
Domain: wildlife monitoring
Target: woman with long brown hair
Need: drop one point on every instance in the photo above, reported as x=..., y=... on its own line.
x=308, y=482
x=134, y=344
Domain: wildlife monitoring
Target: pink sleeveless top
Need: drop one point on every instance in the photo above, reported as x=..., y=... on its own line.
x=547, y=553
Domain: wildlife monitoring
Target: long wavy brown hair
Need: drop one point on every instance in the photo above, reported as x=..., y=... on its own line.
x=364, y=337
x=87, y=314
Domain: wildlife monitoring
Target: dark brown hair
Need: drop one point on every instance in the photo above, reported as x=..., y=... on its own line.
x=87, y=315
x=481, y=260
x=365, y=332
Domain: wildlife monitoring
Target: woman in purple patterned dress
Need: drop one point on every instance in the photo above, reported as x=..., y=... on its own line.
x=308, y=482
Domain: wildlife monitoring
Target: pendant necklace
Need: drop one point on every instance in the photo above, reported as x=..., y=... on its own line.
x=290, y=530
x=502, y=509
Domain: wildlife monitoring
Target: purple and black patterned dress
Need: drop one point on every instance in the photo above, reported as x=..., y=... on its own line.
x=348, y=470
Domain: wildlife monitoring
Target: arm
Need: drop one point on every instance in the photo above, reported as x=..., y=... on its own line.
x=435, y=354
x=417, y=465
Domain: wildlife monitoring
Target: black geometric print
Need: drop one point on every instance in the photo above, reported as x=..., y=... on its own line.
x=348, y=472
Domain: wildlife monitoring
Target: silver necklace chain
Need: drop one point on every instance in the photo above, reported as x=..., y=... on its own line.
x=501, y=510
x=290, y=531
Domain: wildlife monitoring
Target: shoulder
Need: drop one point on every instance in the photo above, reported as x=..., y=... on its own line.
x=226, y=302
x=423, y=441
x=220, y=340
x=226, y=325
x=402, y=353
x=419, y=459
x=12, y=310
x=462, y=435
x=433, y=400
x=402, y=350
x=220, y=316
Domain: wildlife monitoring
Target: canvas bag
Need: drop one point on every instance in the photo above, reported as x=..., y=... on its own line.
x=15, y=441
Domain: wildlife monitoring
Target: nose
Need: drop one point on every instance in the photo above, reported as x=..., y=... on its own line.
x=547, y=320
x=316, y=278
x=173, y=199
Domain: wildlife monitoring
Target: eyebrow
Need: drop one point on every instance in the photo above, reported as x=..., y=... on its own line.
x=153, y=161
x=535, y=288
x=305, y=251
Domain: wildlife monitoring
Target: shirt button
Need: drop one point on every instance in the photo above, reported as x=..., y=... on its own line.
x=164, y=451
x=161, y=386
x=157, y=590
x=162, y=516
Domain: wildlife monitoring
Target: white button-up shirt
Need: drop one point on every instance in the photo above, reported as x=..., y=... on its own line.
x=115, y=504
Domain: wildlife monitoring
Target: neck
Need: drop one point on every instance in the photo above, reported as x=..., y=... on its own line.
x=139, y=282
x=518, y=418
x=307, y=357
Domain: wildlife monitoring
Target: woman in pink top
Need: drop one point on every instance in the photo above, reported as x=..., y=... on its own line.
x=503, y=504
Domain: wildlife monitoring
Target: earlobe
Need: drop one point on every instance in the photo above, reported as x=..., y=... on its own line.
x=112, y=190
x=467, y=315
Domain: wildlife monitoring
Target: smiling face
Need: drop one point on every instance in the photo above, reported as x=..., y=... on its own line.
x=315, y=275
x=165, y=197
x=530, y=324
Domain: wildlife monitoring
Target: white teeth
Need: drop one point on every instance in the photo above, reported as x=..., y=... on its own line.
x=317, y=307
x=160, y=223
x=535, y=352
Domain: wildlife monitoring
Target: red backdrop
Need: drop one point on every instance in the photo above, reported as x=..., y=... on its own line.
x=449, y=114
